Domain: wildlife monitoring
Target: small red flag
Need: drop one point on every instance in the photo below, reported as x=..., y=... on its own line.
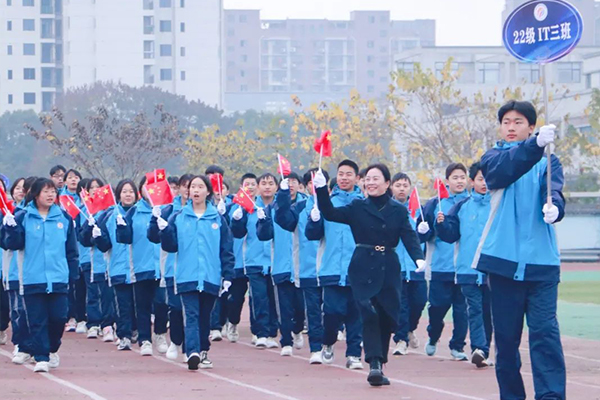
x=155, y=176
x=6, y=204
x=441, y=189
x=216, y=181
x=323, y=143
x=87, y=201
x=103, y=199
x=159, y=193
x=285, y=167
x=244, y=201
x=414, y=203
x=69, y=205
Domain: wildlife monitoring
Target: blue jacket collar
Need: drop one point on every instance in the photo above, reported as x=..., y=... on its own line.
x=459, y=196
x=211, y=211
x=54, y=211
x=503, y=144
x=356, y=192
x=481, y=198
x=143, y=206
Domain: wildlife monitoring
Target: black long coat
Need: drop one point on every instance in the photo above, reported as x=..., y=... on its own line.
x=375, y=273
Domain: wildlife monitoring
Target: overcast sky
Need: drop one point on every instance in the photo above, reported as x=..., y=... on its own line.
x=459, y=22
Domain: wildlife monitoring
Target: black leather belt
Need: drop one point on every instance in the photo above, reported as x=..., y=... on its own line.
x=376, y=248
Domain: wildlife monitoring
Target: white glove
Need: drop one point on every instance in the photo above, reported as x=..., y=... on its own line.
x=121, y=220
x=91, y=221
x=285, y=184
x=9, y=220
x=550, y=213
x=162, y=223
x=315, y=214
x=423, y=228
x=221, y=207
x=260, y=213
x=226, y=286
x=96, y=232
x=319, y=180
x=238, y=214
x=420, y=265
x=156, y=211
x=545, y=135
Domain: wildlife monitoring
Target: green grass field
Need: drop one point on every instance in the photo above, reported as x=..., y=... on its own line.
x=579, y=304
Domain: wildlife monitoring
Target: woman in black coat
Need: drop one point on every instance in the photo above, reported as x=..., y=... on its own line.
x=378, y=223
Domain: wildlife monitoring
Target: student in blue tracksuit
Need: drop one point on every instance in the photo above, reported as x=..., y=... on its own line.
x=46, y=236
x=100, y=304
x=167, y=267
x=257, y=264
x=443, y=290
x=338, y=301
x=414, y=286
x=239, y=284
x=4, y=301
x=77, y=290
x=518, y=251
x=464, y=225
x=204, y=245
x=286, y=263
x=57, y=174
x=120, y=270
x=145, y=255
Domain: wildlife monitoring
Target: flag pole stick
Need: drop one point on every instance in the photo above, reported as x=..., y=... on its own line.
x=549, y=146
x=313, y=189
x=420, y=204
x=247, y=195
x=114, y=199
x=148, y=196
x=439, y=196
x=75, y=204
x=280, y=166
x=321, y=156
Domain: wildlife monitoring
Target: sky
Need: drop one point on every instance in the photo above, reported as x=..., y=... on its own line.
x=458, y=22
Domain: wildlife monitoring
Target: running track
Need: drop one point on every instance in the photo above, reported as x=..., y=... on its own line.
x=91, y=369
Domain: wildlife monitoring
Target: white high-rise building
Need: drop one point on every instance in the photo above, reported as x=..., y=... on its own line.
x=172, y=44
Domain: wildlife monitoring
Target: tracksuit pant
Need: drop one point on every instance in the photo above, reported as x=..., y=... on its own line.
x=313, y=300
x=339, y=307
x=442, y=296
x=263, y=305
x=100, y=307
x=218, y=316
x=235, y=299
x=537, y=301
x=46, y=315
x=4, y=308
x=290, y=320
x=77, y=298
x=20, y=331
x=414, y=299
x=144, y=297
x=197, y=307
x=480, y=316
x=175, y=316
x=125, y=310
x=160, y=308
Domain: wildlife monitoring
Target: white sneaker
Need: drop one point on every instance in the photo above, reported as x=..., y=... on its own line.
x=413, y=340
x=146, y=348
x=93, y=332
x=232, y=333
x=354, y=363
x=15, y=350
x=287, y=351
x=401, y=348
x=108, y=334
x=316, y=358
x=272, y=343
x=161, y=343
x=42, y=366
x=261, y=343
x=71, y=326
x=54, y=360
x=215, y=335
x=298, y=340
x=254, y=339
x=327, y=354
x=458, y=355
x=3, y=337
x=81, y=327
x=205, y=362
x=124, y=344
x=173, y=351
x=21, y=358
x=341, y=336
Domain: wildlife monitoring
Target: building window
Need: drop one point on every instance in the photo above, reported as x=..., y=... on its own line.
x=569, y=72
x=370, y=44
x=529, y=73
x=182, y=73
x=59, y=53
x=489, y=73
x=9, y=25
x=182, y=27
x=29, y=74
x=465, y=70
x=47, y=7
x=182, y=3
x=29, y=98
x=47, y=28
x=243, y=88
x=244, y=58
x=28, y=3
x=182, y=52
x=166, y=74
x=370, y=89
x=166, y=50
x=382, y=33
x=242, y=43
x=29, y=24
x=28, y=49
x=406, y=67
x=165, y=26
x=148, y=75
x=369, y=59
x=371, y=73
x=148, y=4
x=372, y=19
x=9, y=3
x=47, y=101
x=10, y=99
x=243, y=18
x=58, y=29
x=230, y=32
x=9, y=50
x=148, y=25
x=47, y=74
x=148, y=49
x=9, y=74
x=242, y=73
x=165, y=3
x=47, y=52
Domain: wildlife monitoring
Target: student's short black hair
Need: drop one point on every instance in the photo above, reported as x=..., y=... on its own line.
x=82, y=185
x=381, y=167
x=173, y=180
x=185, y=179
x=308, y=175
x=401, y=176
x=89, y=183
x=14, y=186
x=214, y=169
x=75, y=172
x=57, y=168
x=294, y=175
x=122, y=184
x=206, y=183
x=248, y=175
x=332, y=183
x=37, y=187
x=350, y=164
x=453, y=167
x=362, y=173
x=522, y=107
x=474, y=169
x=268, y=175
x=29, y=183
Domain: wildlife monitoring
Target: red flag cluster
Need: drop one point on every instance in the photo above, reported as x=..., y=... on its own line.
x=322, y=144
x=244, y=201
x=156, y=176
x=157, y=188
x=103, y=198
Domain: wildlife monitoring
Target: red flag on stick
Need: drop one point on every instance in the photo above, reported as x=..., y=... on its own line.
x=285, y=167
x=6, y=204
x=155, y=176
x=244, y=201
x=216, y=181
x=322, y=144
x=87, y=201
x=414, y=203
x=441, y=189
x=69, y=205
x=159, y=193
x=103, y=199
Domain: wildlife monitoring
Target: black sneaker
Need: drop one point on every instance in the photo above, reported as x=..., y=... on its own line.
x=376, y=377
x=193, y=361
